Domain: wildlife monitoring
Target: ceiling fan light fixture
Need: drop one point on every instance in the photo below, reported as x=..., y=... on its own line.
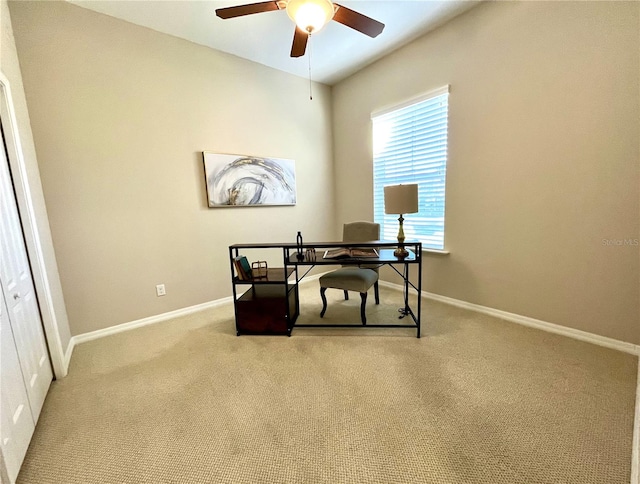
x=310, y=15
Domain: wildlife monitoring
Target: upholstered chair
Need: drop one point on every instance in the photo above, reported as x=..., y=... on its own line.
x=350, y=278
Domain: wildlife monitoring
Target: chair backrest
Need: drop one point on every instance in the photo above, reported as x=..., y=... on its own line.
x=360, y=232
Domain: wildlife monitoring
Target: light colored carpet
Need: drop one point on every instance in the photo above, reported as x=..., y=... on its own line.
x=475, y=400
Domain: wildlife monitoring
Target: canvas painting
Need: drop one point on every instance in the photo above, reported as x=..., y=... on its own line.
x=241, y=180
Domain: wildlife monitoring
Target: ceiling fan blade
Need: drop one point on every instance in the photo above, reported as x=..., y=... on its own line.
x=299, y=46
x=357, y=21
x=248, y=9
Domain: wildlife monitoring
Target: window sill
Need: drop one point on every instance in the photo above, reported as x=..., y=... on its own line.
x=435, y=251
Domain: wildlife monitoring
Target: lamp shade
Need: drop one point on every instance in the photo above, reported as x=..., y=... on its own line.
x=310, y=15
x=401, y=199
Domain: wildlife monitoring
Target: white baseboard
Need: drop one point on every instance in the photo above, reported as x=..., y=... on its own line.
x=100, y=333
x=635, y=448
x=534, y=323
x=545, y=326
x=515, y=318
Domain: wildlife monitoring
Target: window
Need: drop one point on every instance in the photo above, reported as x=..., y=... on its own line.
x=410, y=146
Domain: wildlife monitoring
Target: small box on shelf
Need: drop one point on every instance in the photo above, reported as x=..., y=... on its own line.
x=259, y=269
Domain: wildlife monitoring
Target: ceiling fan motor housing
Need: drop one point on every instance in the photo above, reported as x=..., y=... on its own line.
x=310, y=15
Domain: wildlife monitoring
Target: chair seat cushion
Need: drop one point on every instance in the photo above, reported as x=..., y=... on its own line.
x=350, y=279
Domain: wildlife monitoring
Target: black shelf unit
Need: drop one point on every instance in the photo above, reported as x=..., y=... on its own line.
x=266, y=305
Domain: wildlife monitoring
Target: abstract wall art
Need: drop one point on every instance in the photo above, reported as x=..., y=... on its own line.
x=242, y=180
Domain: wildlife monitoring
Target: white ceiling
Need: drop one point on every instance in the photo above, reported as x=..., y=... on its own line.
x=336, y=51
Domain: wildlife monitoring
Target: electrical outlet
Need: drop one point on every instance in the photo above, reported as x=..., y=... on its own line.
x=160, y=290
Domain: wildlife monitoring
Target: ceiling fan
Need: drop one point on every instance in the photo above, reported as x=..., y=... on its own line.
x=310, y=16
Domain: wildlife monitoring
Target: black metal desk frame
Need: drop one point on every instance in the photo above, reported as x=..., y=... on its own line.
x=294, y=266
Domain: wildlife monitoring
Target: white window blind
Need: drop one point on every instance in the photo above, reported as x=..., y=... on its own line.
x=410, y=146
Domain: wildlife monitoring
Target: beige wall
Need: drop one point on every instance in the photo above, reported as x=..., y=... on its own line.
x=543, y=157
x=54, y=314
x=120, y=115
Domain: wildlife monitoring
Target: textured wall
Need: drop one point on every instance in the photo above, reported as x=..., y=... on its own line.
x=120, y=116
x=543, y=177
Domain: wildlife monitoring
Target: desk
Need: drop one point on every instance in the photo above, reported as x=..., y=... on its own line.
x=272, y=306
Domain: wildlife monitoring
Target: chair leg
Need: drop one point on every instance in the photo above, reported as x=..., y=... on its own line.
x=324, y=301
x=346, y=295
x=363, y=296
x=376, y=292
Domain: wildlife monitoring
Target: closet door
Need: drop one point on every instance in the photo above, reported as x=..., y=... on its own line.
x=16, y=421
x=20, y=297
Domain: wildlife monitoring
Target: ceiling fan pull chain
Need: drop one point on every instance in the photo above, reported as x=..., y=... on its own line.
x=310, y=49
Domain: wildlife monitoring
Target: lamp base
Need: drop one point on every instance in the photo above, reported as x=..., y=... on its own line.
x=401, y=252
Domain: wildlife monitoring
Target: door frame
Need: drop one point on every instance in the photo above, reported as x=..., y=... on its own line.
x=35, y=251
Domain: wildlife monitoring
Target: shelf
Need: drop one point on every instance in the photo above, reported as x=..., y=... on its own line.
x=274, y=276
x=385, y=256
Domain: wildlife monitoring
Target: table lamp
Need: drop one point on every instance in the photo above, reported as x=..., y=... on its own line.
x=401, y=199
